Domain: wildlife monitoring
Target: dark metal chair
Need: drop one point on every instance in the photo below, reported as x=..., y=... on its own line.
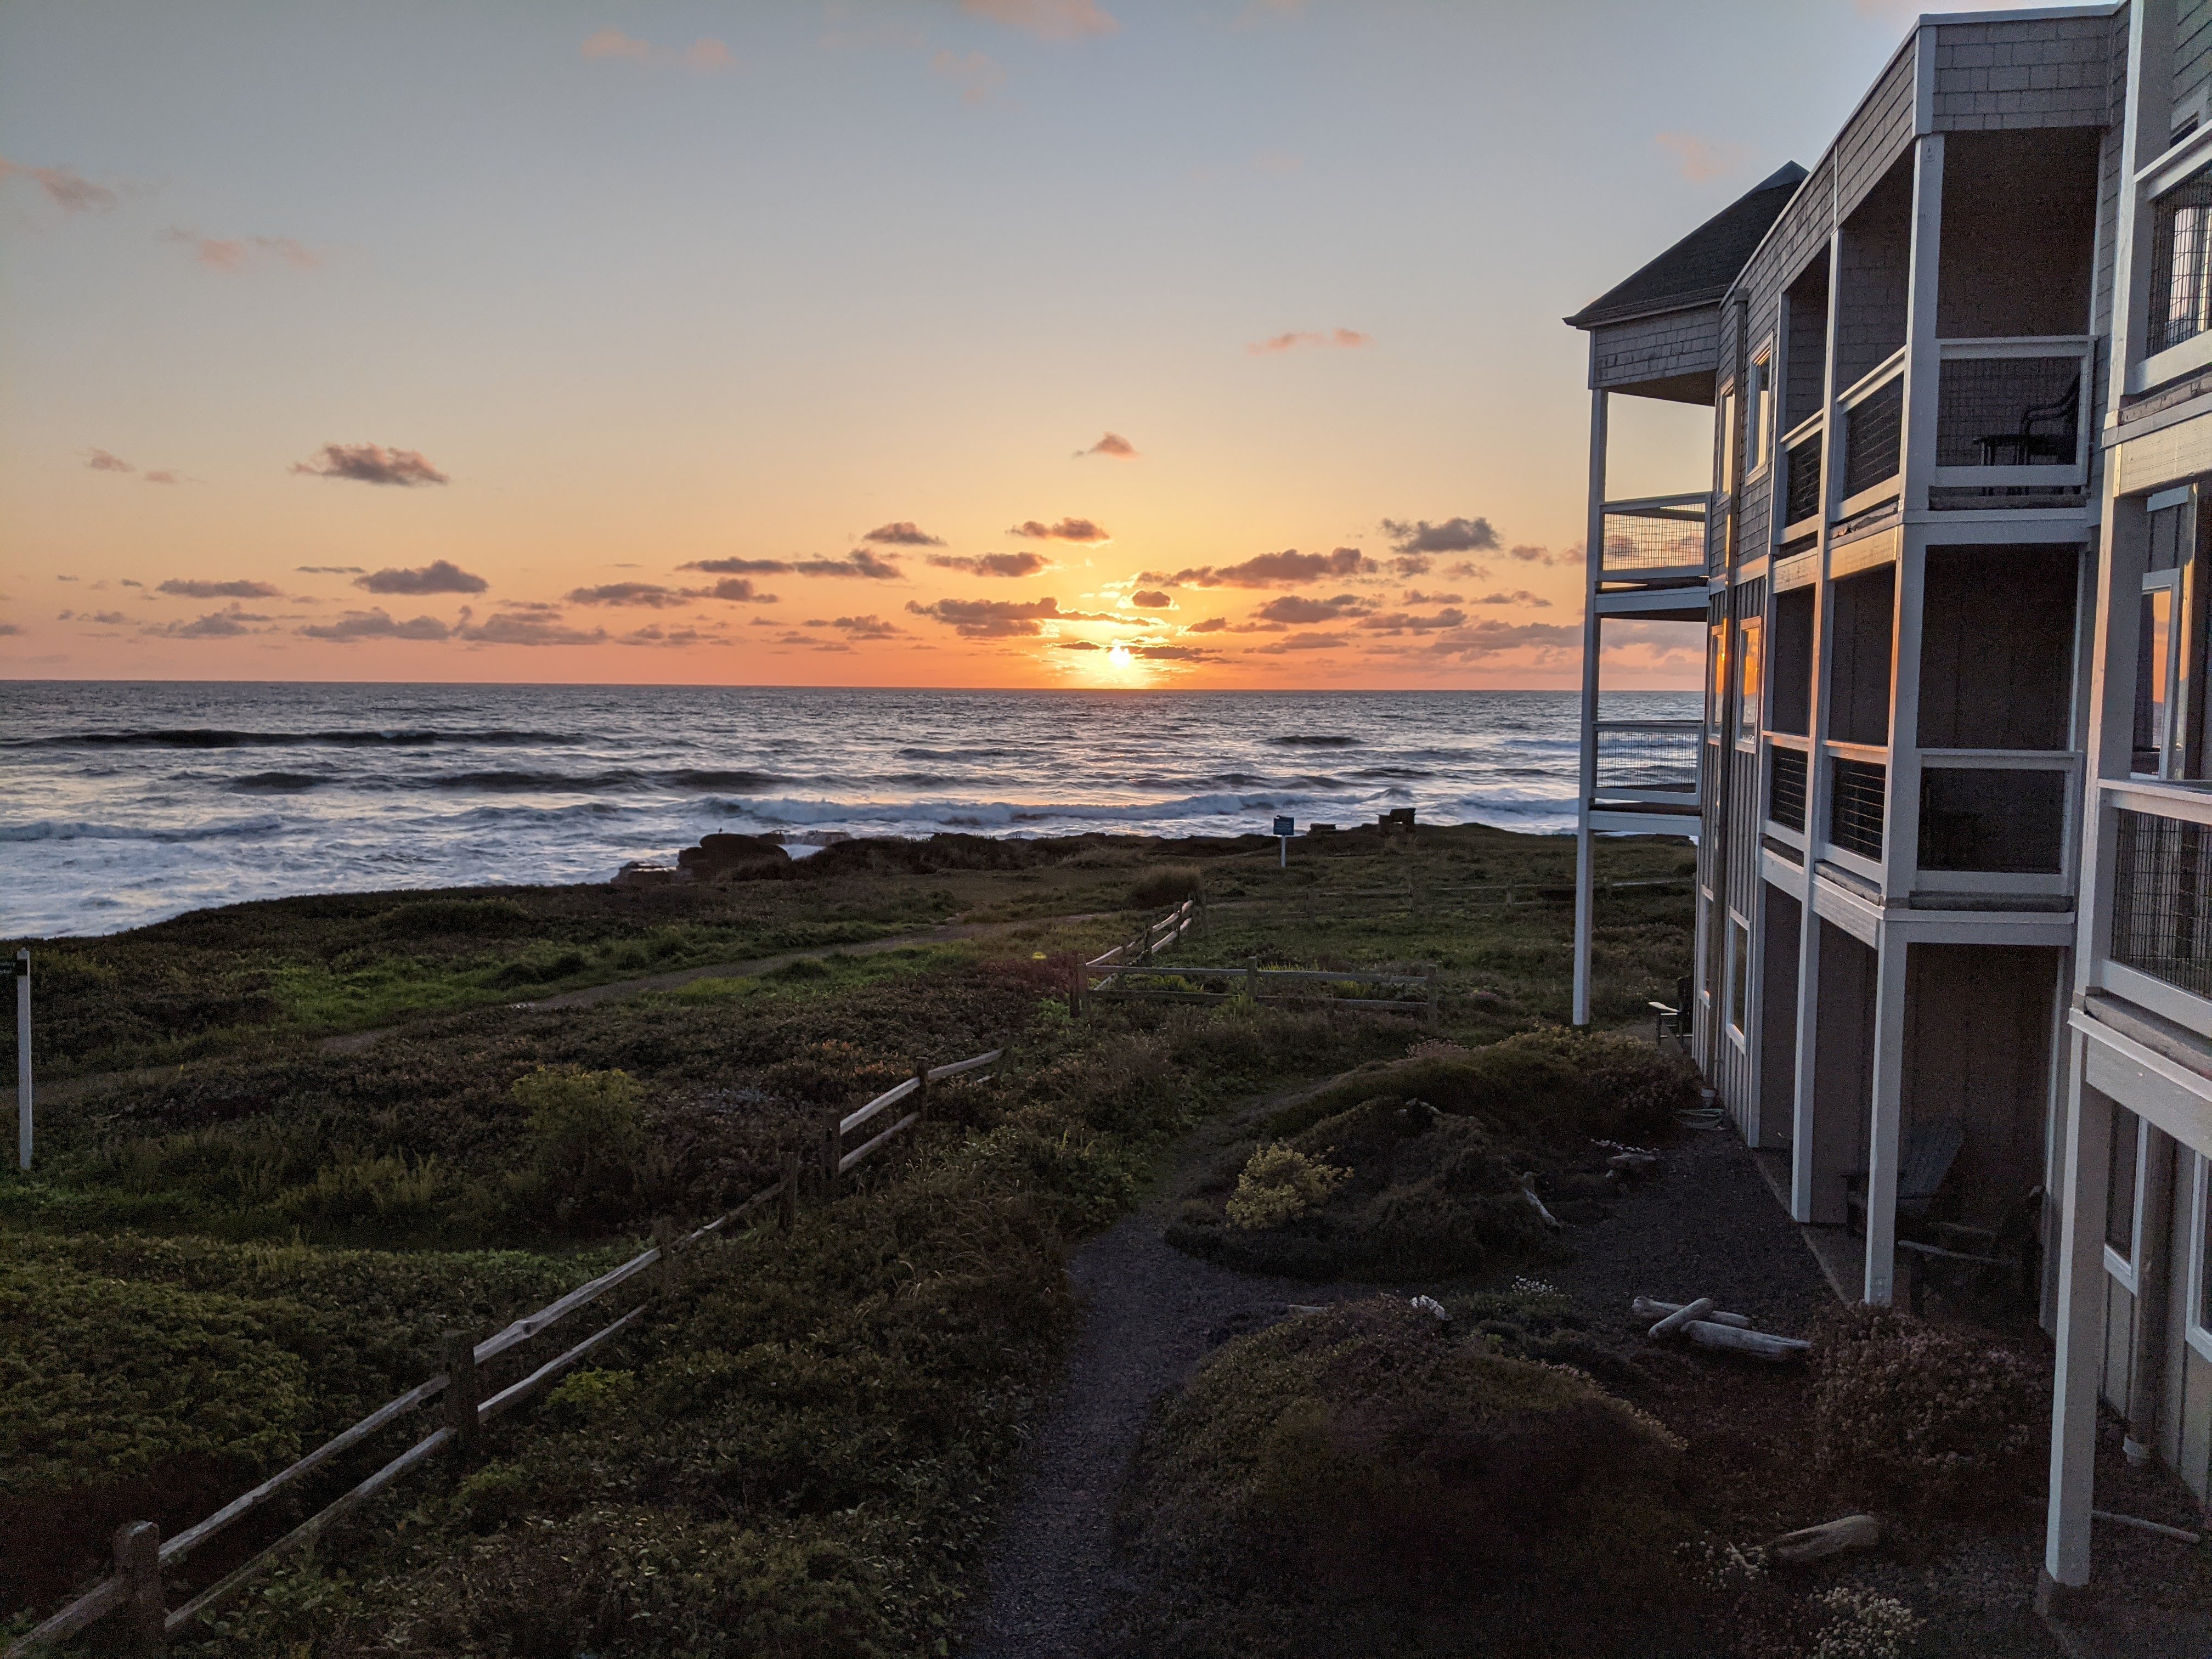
x=2027, y=447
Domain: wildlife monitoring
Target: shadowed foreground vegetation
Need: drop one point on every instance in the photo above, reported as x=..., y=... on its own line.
x=799, y=1451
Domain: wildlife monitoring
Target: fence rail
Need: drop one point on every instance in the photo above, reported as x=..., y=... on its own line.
x=141, y=1556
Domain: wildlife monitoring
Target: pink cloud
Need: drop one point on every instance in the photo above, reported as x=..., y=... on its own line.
x=1047, y=20
x=66, y=188
x=1699, y=159
x=705, y=54
x=1336, y=338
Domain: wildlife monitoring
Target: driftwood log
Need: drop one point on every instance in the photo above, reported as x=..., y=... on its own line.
x=1735, y=1340
x=1528, y=1191
x=1645, y=1307
x=1851, y=1532
x=2181, y=1534
x=1682, y=1315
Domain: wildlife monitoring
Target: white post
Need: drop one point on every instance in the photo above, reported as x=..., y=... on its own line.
x=23, y=1058
x=1887, y=1103
x=2080, y=1333
x=1586, y=782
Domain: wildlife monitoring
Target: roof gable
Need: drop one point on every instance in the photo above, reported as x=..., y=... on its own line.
x=1699, y=269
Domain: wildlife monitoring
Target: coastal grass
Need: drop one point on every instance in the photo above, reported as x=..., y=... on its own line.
x=801, y=1449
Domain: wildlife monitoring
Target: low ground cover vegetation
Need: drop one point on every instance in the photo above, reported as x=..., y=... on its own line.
x=215, y=1266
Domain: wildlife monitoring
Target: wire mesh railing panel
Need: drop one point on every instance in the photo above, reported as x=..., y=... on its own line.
x=2162, y=900
x=2009, y=411
x=1801, y=482
x=1873, y=438
x=2181, y=264
x=1649, y=754
x=1786, y=775
x=1856, y=792
x=1656, y=538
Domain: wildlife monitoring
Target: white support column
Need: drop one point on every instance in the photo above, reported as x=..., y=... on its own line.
x=2146, y=125
x=1886, y=1103
x=2080, y=1330
x=1594, y=565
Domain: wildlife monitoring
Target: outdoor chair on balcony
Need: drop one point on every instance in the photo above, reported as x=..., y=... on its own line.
x=1925, y=1154
x=2046, y=436
x=1672, y=1024
x=2006, y=1260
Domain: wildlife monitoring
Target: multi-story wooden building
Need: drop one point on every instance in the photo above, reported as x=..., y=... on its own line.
x=1952, y=788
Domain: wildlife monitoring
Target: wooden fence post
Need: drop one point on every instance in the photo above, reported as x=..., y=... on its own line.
x=1076, y=976
x=787, y=1199
x=833, y=1147
x=1252, y=979
x=921, y=1088
x=138, y=1560
x=664, y=1240
x=463, y=1386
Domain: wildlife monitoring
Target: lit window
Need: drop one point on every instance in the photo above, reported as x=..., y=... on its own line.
x=1716, y=681
x=1726, y=432
x=1759, y=409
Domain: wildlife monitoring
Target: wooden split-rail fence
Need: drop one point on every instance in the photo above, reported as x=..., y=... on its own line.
x=1112, y=977
x=1413, y=897
x=134, y=1593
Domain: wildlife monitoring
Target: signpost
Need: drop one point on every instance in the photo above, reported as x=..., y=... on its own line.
x=1285, y=828
x=22, y=977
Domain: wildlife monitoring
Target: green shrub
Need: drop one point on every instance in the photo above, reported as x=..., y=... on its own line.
x=1350, y=1465
x=1914, y=1415
x=1280, y=1184
x=587, y=1132
x=1166, y=887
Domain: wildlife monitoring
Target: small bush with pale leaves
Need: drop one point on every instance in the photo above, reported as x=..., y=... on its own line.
x=1863, y=1625
x=1280, y=1184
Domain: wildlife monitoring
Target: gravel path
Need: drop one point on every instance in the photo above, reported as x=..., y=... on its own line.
x=1150, y=1313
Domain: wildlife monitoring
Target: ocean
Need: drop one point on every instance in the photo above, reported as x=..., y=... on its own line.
x=122, y=804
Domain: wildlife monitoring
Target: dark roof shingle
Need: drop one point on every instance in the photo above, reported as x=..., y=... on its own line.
x=1699, y=268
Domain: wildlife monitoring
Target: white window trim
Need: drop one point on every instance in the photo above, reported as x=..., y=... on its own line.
x=2197, y=1336
x=1736, y=1032
x=1756, y=458
x=2123, y=1268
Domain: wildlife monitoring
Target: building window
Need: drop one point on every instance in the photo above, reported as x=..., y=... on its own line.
x=1750, y=666
x=2155, y=664
x=2120, y=1186
x=1716, y=680
x=2199, y=1325
x=2181, y=265
x=1725, y=431
x=1739, y=975
x=1759, y=409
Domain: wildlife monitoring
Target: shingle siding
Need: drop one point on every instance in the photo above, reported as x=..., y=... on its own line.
x=2192, y=50
x=1654, y=348
x=2032, y=73
x=1879, y=132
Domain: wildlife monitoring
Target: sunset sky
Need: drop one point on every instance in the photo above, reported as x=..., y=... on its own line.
x=964, y=343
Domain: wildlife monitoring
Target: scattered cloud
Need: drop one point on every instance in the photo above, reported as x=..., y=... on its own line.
x=66, y=188
x=371, y=464
x=1414, y=596
x=977, y=75
x=1296, y=608
x=1410, y=564
x=1469, y=570
x=1305, y=642
x=206, y=589
x=982, y=619
x=902, y=533
x=1211, y=625
x=740, y=566
x=1174, y=653
x=1047, y=20
x=649, y=594
x=1483, y=639
x=706, y=53
x=8, y=629
x=1452, y=536
x=108, y=618
x=1398, y=622
x=1152, y=598
x=438, y=576
x=1528, y=555
x=1024, y=563
x=233, y=254
x=1518, y=596
x=535, y=625
x=1288, y=569
x=374, y=624
x=101, y=461
x=328, y=569
x=870, y=627
x=1699, y=159
x=159, y=476
x=1113, y=444
x=1334, y=338
x=224, y=624
x=1068, y=530
x=737, y=590
x=860, y=562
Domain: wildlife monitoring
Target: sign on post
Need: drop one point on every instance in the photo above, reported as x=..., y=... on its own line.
x=1285, y=828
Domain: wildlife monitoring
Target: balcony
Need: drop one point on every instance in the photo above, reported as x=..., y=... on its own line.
x=1654, y=761
x=1858, y=793
x=1801, y=478
x=1657, y=540
x=2009, y=431
x=2162, y=899
x=1787, y=771
x=1873, y=438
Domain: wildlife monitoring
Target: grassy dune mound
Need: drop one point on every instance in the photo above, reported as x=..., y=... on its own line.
x=1413, y=1171
x=1365, y=1476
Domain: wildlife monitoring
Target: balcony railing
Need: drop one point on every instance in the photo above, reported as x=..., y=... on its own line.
x=1874, y=437
x=1786, y=774
x=1801, y=479
x=1657, y=535
x=2162, y=900
x=1650, y=760
x=1856, y=792
x=2009, y=424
